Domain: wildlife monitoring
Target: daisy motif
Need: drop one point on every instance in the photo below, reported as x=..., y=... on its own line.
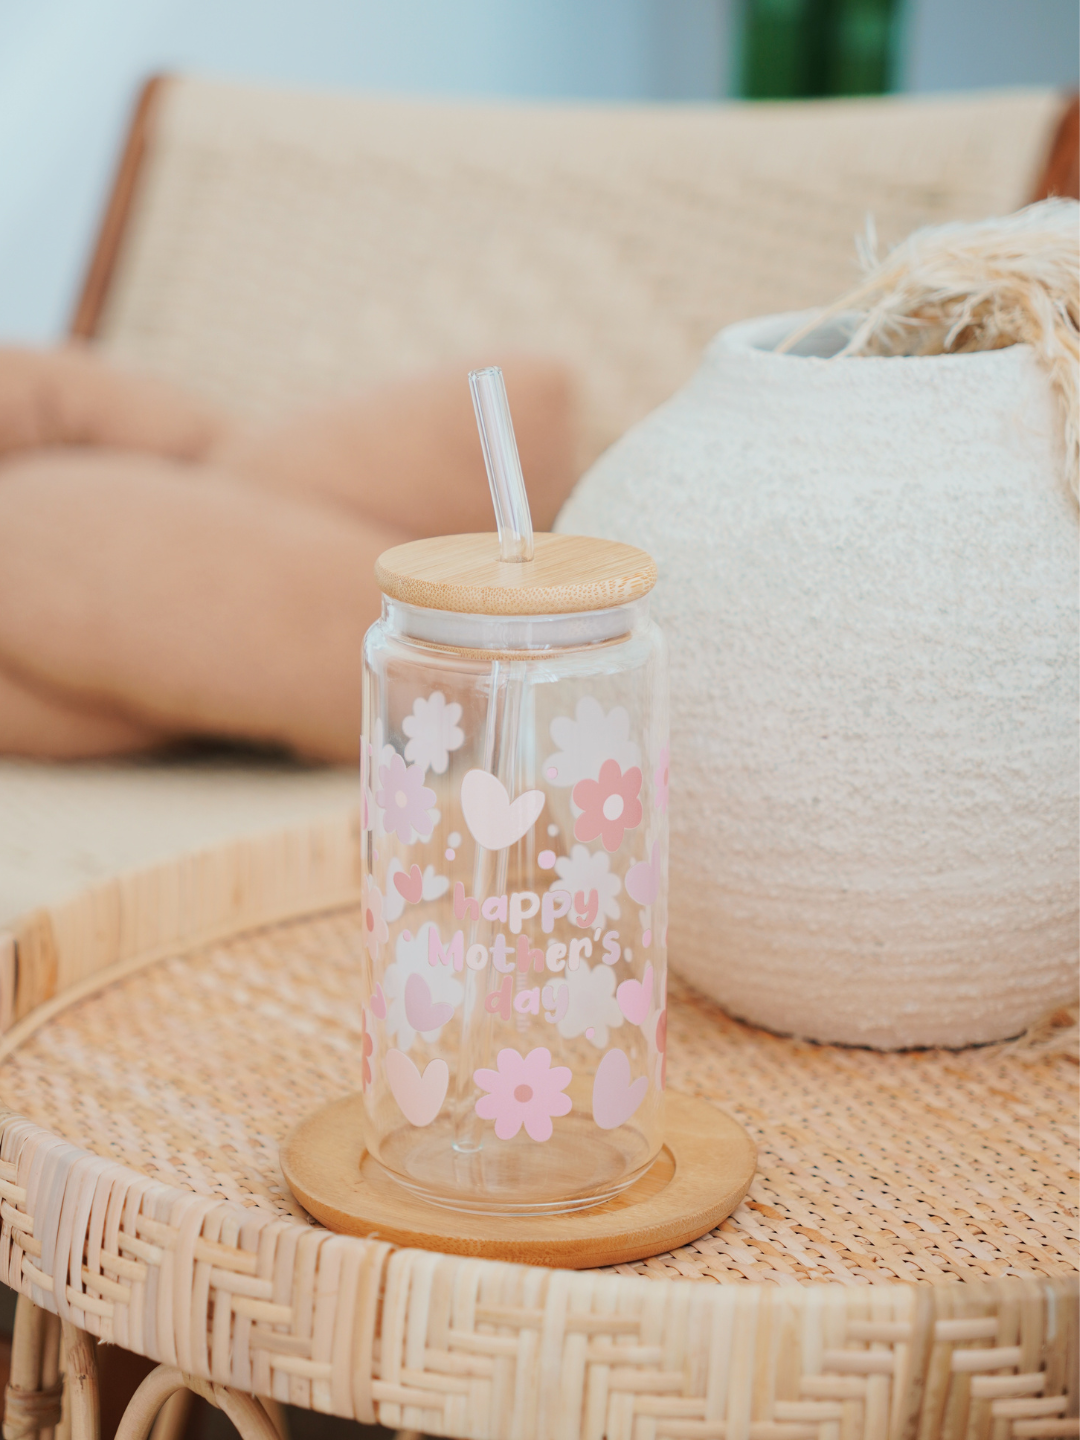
x=661, y=776
x=411, y=958
x=587, y=741
x=609, y=806
x=524, y=1090
x=433, y=732
x=582, y=871
x=376, y=932
x=593, y=1005
x=405, y=800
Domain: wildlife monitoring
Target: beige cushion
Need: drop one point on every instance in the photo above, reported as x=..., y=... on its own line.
x=283, y=246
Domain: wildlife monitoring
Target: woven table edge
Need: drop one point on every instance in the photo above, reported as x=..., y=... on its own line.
x=236, y=1294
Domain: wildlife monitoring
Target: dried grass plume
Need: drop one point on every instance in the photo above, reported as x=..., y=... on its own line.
x=956, y=288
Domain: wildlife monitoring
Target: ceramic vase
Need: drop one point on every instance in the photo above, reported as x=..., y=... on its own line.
x=868, y=579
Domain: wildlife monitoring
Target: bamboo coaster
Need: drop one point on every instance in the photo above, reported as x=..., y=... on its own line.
x=700, y=1175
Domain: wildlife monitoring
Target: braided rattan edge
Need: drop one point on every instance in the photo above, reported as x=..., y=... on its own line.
x=452, y=1345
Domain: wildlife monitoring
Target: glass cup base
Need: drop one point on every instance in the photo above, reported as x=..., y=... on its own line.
x=570, y=1172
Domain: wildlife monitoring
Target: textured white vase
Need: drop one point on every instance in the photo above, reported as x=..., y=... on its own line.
x=868, y=579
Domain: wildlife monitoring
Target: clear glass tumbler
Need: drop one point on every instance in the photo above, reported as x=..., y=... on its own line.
x=515, y=876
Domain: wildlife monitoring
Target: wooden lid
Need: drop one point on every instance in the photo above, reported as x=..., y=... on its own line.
x=463, y=573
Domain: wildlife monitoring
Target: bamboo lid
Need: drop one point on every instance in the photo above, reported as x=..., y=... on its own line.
x=463, y=573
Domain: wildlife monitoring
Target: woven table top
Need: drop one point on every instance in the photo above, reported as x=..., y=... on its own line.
x=932, y=1166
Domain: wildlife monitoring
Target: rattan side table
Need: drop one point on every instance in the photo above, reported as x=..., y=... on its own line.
x=903, y=1268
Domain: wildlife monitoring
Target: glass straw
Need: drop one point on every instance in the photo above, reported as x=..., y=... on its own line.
x=503, y=463
x=503, y=733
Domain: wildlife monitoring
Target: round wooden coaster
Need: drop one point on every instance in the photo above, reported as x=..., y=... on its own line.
x=700, y=1175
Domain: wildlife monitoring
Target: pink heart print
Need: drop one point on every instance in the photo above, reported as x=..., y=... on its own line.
x=419, y=1097
x=643, y=879
x=421, y=1011
x=410, y=886
x=493, y=821
x=614, y=1098
x=378, y=1003
x=635, y=997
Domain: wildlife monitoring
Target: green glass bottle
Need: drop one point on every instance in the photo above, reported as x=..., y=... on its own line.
x=797, y=49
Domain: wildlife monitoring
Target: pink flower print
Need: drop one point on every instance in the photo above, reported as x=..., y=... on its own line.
x=661, y=1045
x=609, y=806
x=376, y=930
x=367, y=1046
x=660, y=780
x=524, y=1090
x=404, y=799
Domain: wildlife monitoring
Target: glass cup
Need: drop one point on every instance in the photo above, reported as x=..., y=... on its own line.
x=515, y=902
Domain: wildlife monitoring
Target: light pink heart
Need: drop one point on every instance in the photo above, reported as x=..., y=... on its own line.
x=614, y=1098
x=635, y=997
x=378, y=1003
x=410, y=886
x=419, y=1097
x=493, y=821
x=421, y=1011
x=643, y=879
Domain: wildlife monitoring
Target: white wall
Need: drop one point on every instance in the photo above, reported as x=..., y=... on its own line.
x=968, y=44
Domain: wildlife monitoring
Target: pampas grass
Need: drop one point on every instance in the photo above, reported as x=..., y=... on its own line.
x=957, y=288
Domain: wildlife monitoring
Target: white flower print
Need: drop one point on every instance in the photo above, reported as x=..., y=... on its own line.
x=584, y=871
x=592, y=1003
x=587, y=741
x=412, y=959
x=433, y=732
x=394, y=902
